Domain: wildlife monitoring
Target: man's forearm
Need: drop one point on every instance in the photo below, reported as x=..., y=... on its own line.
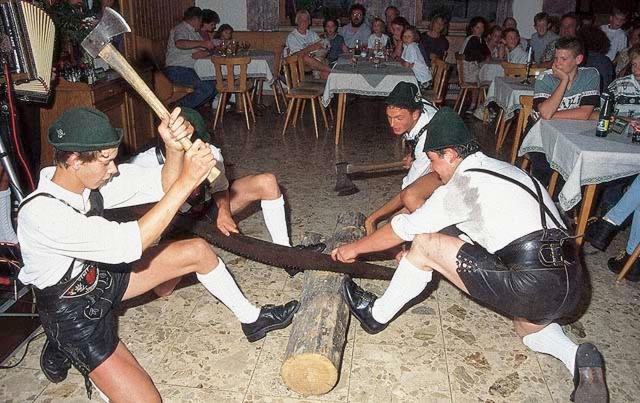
x=381, y=240
x=188, y=44
x=387, y=209
x=581, y=113
x=549, y=107
x=171, y=168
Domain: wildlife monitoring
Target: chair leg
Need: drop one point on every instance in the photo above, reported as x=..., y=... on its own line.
x=225, y=97
x=553, y=182
x=260, y=89
x=286, y=119
x=315, y=118
x=461, y=99
x=304, y=105
x=324, y=114
x=627, y=266
x=297, y=103
x=276, y=97
x=253, y=115
x=525, y=163
x=218, y=109
x=246, y=108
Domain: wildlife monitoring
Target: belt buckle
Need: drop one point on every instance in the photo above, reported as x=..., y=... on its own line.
x=550, y=254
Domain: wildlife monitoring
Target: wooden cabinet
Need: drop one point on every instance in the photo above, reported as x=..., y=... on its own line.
x=114, y=97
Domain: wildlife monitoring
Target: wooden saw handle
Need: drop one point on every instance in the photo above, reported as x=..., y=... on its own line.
x=111, y=55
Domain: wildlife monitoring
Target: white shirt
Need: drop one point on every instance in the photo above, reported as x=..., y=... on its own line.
x=296, y=41
x=372, y=40
x=421, y=164
x=52, y=234
x=489, y=210
x=411, y=53
x=517, y=56
x=618, y=40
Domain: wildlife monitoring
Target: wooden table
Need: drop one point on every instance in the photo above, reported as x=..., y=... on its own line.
x=582, y=159
x=362, y=79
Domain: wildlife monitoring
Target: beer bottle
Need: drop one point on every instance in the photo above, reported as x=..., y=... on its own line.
x=356, y=49
x=605, y=115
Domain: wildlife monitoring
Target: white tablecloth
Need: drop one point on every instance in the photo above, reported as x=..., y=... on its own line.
x=506, y=91
x=259, y=67
x=572, y=149
x=489, y=71
x=358, y=80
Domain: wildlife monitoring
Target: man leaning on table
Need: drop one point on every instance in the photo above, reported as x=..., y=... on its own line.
x=565, y=91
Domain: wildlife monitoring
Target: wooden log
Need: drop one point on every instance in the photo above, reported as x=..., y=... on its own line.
x=318, y=334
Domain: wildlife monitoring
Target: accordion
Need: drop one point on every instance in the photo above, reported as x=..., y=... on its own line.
x=31, y=34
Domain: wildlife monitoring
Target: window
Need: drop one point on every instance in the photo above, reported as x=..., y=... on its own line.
x=319, y=9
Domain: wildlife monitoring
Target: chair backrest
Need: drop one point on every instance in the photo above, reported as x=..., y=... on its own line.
x=293, y=70
x=440, y=71
x=526, y=106
x=228, y=81
x=514, y=70
x=537, y=70
x=460, y=67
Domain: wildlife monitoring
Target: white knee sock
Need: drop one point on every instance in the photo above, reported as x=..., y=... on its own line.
x=408, y=281
x=222, y=286
x=552, y=340
x=7, y=233
x=275, y=220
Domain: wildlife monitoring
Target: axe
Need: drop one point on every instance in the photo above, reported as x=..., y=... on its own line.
x=98, y=44
x=344, y=185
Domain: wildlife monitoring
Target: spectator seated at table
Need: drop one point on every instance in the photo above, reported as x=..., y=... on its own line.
x=433, y=42
x=390, y=14
x=209, y=21
x=493, y=38
x=475, y=51
x=614, y=31
x=600, y=232
x=565, y=91
x=378, y=34
x=303, y=40
x=333, y=40
x=356, y=29
x=184, y=47
x=596, y=45
x=510, y=22
x=623, y=61
x=515, y=53
x=569, y=25
x=395, y=44
x=412, y=57
x=223, y=34
x=542, y=37
x=626, y=90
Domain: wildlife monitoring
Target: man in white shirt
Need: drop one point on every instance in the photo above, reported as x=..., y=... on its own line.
x=307, y=42
x=356, y=29
x=408, y=115
x=521, y=262
x=82, y=266
x=615, y=33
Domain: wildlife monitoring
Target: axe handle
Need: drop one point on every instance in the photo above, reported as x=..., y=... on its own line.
x=351, y=169
x=111, y=55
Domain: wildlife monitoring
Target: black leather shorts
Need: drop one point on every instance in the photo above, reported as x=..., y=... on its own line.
x=78, y=315
x=541, y=290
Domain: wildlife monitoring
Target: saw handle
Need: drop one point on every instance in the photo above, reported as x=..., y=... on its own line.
x=352, y=169
x=111, y=55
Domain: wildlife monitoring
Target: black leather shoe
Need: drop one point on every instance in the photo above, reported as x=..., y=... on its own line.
x=615, y=264
x=360, y=303
x=272, y=317
x=55, y=365
x=588, y=377
x=314, y=247
x=599, y=233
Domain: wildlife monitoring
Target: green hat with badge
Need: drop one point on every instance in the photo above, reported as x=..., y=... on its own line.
x=405, y=95
x=83, y=129
x=198, y=122
x=446, y=129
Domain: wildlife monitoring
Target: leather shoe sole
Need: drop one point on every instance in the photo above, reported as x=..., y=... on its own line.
x=589, y=381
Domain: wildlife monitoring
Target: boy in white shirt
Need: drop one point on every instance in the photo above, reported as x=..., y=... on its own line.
x=516, y=54
x=412, y=57
x=378, y=34
x=615, y=33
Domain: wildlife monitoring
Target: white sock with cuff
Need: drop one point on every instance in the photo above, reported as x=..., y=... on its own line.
x=7, y=233
x=275, y=220
x=552, y=340
x=408, y=281
x=222, y=286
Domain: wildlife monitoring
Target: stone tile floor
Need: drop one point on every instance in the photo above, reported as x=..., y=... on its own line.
x=444, y=349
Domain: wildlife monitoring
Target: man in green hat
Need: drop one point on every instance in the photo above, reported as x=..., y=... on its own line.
x=81, y=266
x=516, y=256
x=408, y=115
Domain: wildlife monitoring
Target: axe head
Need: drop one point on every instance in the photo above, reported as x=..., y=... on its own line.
x=344, y=185
x=111, y=24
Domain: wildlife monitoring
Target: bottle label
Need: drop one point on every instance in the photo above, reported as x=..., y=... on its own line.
x=603, y=125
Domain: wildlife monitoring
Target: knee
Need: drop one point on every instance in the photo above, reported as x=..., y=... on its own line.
x=199, y=254
x=269, y=188
x=420, y=249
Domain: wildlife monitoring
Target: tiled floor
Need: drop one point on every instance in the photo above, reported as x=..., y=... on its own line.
x=444, y=349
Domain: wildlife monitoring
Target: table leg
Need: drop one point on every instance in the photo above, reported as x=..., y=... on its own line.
x=585, y=211
x=340, y=118
x=553, y=182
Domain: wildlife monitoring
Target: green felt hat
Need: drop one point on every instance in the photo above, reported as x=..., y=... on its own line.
x=446, y=129
x=198, y=123
x=405, y=95
x=83, y=129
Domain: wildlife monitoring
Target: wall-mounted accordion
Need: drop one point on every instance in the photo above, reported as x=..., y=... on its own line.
x=31, y=34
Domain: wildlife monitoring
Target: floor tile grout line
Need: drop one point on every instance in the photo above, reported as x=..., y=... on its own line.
x=444, y=347
x=353, y=353
x=246, y=392
x=544, y=377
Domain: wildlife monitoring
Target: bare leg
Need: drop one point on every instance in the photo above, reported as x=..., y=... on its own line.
x=252, y=188
x=316, y=65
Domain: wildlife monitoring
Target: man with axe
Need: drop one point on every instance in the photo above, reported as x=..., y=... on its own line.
x=408, y=115
x=82, y=266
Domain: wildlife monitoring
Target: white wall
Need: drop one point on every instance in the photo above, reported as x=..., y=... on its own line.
x=523, y=12
x=232, y=12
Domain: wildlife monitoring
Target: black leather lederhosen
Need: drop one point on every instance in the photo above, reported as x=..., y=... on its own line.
x=537, y=277
x=77, y=313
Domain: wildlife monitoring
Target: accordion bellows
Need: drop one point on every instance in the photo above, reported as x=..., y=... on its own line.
x=32, y=34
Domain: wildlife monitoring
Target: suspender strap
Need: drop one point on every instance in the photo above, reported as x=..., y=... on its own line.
x=543, y=207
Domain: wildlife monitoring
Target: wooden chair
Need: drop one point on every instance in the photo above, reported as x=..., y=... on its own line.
x=228, y=83
x=465, y=87
x=513, y=69
x=299, y=92
x=629, y=264
x=526, y=106
x=167, y=91
x=440, y=73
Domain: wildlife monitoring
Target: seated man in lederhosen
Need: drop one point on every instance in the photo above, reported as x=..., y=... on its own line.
x=82, y=266
x=520, y=262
